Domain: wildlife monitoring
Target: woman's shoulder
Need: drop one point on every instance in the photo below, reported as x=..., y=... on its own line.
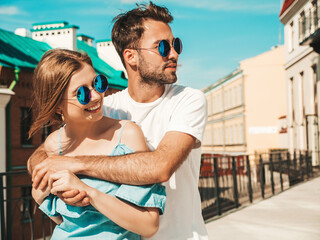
x=131, y=135
x=51, y=144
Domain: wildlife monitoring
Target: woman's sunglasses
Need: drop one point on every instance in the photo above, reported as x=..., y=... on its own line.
x=100, y=84
x=164, y=47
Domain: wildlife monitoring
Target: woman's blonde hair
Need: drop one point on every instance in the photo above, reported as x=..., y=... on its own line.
x=50, y=79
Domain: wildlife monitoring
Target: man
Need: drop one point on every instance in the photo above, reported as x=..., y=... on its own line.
x=172, y=118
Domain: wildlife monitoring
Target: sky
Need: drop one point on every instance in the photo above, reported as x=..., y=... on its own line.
x=216, y=34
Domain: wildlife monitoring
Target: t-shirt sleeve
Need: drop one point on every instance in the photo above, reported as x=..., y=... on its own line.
x=190, y=114
x=48, y=206
x=143, y=196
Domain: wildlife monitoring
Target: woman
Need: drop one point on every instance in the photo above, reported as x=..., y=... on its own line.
x=68, y=91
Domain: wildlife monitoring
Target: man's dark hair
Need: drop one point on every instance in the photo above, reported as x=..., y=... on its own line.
x=128, y=27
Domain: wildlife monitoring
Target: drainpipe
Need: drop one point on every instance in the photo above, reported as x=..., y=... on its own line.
x=8, y=117
x=8, y=139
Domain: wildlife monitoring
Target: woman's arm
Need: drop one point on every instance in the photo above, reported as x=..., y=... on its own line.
x=143, y=221
x=39, y=196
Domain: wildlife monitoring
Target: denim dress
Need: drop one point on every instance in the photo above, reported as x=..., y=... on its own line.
x=88, y=223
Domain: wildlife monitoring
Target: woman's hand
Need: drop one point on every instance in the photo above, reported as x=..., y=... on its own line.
x=65, y=180
x=40, y=194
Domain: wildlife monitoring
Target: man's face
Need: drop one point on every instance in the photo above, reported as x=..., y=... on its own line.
x=152, y=67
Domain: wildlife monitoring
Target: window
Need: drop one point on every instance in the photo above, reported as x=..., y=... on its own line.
x=241, y=134
x=291, y=89
x=225, y=100
x=315, y=92
x=240, y=94
x=235, y=134
x=234, y=96
x=291, y=37
x=231, y=135
x=302, y=26
x=25, y=124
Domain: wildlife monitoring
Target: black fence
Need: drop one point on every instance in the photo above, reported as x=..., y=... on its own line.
x=20, y=218
x=227, y=182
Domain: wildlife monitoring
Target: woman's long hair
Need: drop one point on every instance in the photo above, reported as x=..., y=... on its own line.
x=50, y=79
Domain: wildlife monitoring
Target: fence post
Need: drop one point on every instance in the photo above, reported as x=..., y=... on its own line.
x=3, y=225
x=280, y=170
x=288, y=165
x=262, y=178
x=301, y=165
x=307, y=164
x=235, y=183
x=216, y=182
x=271, y=173
x=249, y=178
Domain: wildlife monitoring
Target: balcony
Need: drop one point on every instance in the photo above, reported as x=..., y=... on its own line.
x=309, y=28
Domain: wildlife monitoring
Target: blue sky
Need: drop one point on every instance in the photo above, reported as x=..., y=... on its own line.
x=216, y=34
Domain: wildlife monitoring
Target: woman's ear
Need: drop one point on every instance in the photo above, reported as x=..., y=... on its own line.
x=130, y=57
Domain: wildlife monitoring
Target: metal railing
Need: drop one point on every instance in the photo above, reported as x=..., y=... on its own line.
x=309, y=22
x=227, y=182
x=18, y=211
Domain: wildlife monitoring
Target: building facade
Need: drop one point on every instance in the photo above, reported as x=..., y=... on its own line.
x=244, y=107
x=302, y=47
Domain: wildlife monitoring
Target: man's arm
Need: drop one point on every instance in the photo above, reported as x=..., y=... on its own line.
x=37, y=157
x=137, y=168
x=78, y=198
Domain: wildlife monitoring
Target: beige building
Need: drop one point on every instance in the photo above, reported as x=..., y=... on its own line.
x=246, y=107
x=302, y=47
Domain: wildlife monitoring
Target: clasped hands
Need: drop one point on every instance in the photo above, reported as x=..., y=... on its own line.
x=56, y=173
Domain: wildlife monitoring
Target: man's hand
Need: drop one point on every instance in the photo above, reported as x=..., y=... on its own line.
x=52, y=164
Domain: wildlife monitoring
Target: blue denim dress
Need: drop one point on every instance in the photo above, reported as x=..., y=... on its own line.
x=87, y=222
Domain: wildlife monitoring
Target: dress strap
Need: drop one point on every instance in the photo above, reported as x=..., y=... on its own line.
x=119, y=140
x=60, y=152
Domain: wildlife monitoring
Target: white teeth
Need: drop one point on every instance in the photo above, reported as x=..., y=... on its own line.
x=94, y=107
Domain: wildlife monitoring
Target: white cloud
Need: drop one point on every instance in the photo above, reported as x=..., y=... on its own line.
x=9, y=10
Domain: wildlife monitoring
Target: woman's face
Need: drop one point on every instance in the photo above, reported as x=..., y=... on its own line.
x=72, y=109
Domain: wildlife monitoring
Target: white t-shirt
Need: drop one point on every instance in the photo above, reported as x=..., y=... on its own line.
x=180, y=109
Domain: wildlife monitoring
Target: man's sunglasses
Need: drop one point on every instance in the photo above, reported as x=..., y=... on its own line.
x=100, y=84
x=164, y=47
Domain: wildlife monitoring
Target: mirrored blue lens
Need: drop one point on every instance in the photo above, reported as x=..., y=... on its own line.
x=164, y=48
x=177, y=45
x=83, y=95
x=100, y=83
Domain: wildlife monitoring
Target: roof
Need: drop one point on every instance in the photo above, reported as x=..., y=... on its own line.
x=285, y=6
x=83, y=35
x=103, y=40
x=116, y=78
x=222, y=80
x=22, y=52
x=54, y=28
x=47, y=23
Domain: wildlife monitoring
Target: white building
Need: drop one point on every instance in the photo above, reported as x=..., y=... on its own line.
x=56, y=34
x=108, y=53
x=302, y=42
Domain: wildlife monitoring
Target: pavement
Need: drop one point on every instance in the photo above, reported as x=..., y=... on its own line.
x=293, y=214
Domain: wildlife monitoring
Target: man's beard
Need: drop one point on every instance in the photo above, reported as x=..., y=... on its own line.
x=157, y=76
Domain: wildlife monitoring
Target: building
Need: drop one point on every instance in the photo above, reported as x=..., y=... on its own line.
x=19, y=55
x=302, y=48
x=244, y=107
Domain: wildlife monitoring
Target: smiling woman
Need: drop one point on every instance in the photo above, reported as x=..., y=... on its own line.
x=68, y=92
